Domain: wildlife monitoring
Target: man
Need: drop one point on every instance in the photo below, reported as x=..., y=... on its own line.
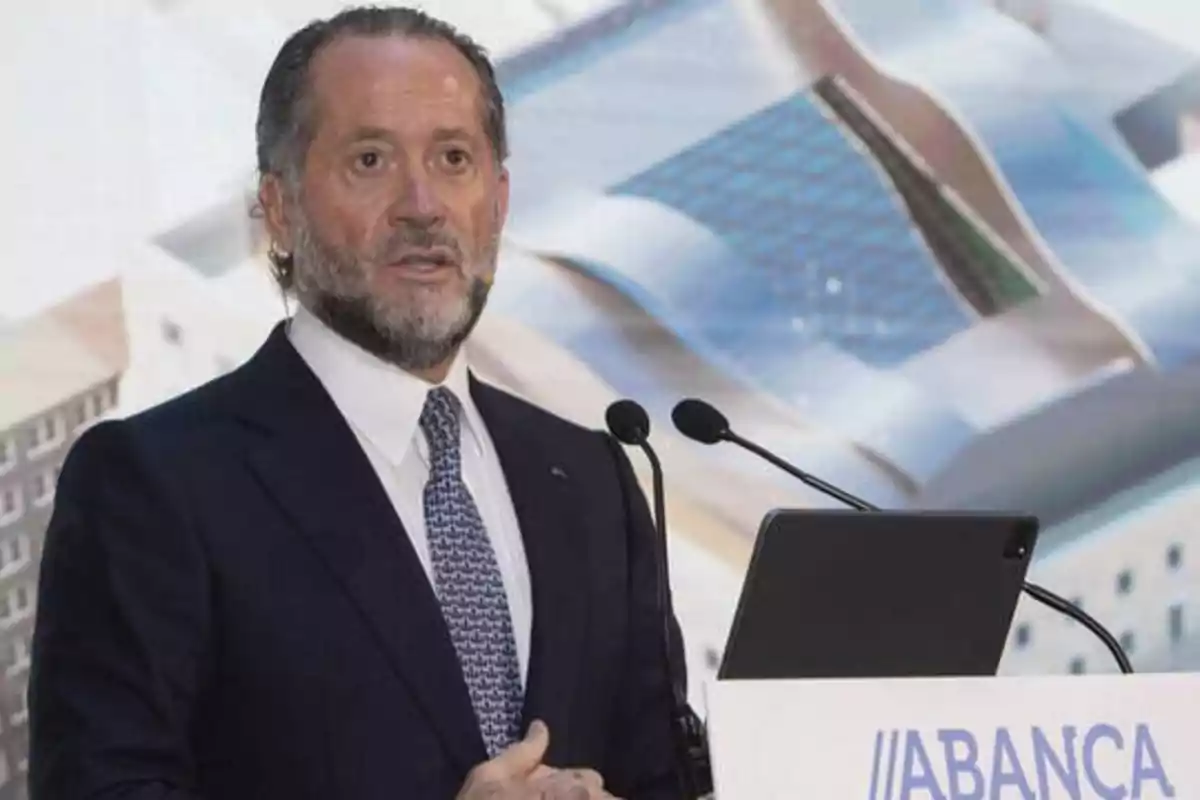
x=348, y=569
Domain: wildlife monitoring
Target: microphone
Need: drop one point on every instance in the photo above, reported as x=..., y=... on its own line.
x=703, y=423
x=630, y=424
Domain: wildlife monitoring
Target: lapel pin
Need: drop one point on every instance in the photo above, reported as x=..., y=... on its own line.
x=558, y=472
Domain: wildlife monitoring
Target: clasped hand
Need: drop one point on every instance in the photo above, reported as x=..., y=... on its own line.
x=519, y=774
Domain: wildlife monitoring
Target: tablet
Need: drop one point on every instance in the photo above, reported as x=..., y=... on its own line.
x=851, y=594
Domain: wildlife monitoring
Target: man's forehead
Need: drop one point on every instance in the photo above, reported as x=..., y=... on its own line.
x=357, y=71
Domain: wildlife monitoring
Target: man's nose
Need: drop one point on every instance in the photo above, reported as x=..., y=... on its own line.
x=417, y=200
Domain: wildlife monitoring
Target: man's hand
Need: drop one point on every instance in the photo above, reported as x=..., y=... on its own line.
x=519, y=774
x=507, y=776
x=568, y=784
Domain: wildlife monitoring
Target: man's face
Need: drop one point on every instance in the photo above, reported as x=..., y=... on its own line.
x=395, y=226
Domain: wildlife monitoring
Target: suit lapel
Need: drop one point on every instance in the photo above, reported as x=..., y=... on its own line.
x=546, y=500
x=315, y=469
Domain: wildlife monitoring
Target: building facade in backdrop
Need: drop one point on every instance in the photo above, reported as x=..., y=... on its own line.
x=61, y=373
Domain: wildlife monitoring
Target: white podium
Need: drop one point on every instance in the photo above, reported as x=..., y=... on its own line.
x=1114, y=737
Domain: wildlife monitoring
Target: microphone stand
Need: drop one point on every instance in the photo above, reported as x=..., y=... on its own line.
x=689, y=738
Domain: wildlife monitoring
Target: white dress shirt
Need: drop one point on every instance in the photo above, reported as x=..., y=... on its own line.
x=383, y=403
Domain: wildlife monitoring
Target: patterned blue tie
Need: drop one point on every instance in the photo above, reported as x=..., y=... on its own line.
x=467, y=579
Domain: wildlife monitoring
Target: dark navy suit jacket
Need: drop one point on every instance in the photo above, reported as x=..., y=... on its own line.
x=229, y=608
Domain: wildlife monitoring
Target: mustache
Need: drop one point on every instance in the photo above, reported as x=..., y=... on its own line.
x=413, y=242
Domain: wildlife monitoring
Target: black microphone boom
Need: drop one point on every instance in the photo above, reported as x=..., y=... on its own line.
x=698, y=420
x=630, y=424
x=703, y=423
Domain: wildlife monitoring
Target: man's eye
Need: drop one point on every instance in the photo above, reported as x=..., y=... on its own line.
x=457, y=158
x=369, y=160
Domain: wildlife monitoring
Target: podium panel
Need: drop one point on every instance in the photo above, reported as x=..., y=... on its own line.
x=1110, y=737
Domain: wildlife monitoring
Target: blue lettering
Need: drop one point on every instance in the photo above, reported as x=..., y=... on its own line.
x=912, y=780
x=960, y=765
x=1070, y=763
x=1006, y=768
x=876, y=762
x=1046, y=758
x=1147, y=766
x=893, y=749
x=1093, y=737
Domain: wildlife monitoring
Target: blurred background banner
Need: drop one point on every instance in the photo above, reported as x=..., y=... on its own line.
x=941, y=252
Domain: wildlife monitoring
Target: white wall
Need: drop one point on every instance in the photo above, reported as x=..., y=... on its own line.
x=212, y=334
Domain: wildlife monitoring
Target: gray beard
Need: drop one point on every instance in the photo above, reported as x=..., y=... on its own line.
x=354, y=319
x=330, y=285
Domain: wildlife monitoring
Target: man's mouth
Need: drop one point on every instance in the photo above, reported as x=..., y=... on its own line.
x=424, y=260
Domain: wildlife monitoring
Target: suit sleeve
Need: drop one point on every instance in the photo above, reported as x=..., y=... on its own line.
x=121, y=632
x=642, y=758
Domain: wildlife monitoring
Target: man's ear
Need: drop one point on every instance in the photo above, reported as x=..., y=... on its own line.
x=502, y=192
x=272, y=196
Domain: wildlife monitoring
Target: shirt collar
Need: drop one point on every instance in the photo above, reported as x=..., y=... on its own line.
x=380, y=400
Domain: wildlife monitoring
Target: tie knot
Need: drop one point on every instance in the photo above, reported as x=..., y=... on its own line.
x=439, y=421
